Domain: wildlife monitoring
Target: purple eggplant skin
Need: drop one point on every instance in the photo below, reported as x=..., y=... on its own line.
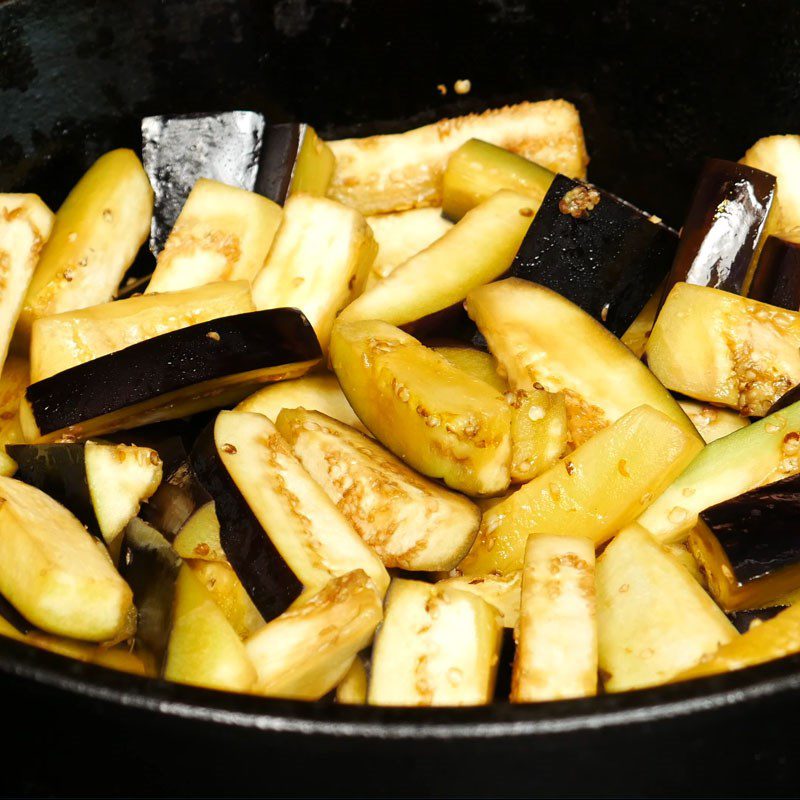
x=269, y=581
x=742, y=620
x=177, y=150
x=282, y=144
x=785, y=400
x=759, y=530
x=777, y=277
x=600, y=252
x=239, y=345
x=726, y=220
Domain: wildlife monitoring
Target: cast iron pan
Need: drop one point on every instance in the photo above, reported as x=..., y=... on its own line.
x=659, y=86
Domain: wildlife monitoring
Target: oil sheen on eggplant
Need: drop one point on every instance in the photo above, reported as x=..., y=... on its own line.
x=777, y=277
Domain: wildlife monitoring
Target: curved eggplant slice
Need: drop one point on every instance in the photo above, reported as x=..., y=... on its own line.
x=410, y=522
x=308, y=650
x=542, y=340
x=480, y=365
x=712, y=423
x=443, y=422
x=721, y=348
x=777, y=277
x=97, y=232
x=204, y=366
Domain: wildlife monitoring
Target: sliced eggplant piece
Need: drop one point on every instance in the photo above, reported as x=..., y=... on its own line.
x=478, y=169
x=352, y=691
x=777, y=277
x=682, y=553
x=308, y=650
x=542, y=340
x=410, y=522
x=596, y=490
x=780, y=156
x=476, y=363
x=150, y=566
x=319, y=392
x=653, y=618
x=765, y=451
x=96, y=234
x=638, y=333
x=598, y=251
x=437, y=646
x=401, y=235
x=728, y=221
x=65, y=340
x=204, y=649
x=14, y=380
x=479, y=249
x=380, y=174
x=712, y=423
x=318, y=263
x=295, y=160
x=443, y=422
x=177, y=151
x=173, y=375
x=556, y=656
x=721, y=348
x=502, y=592
x=749, y=546
x=198, y=537
x=223, y=233
x=25, y=226
x=55, y=574
x=775, y=638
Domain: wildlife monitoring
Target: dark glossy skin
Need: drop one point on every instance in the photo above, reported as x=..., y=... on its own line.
x=744, y=619
x=777, y=277
x=282, y=145
x=272, y=586
x=724, y=226
x=609, y=259
x=792, y=396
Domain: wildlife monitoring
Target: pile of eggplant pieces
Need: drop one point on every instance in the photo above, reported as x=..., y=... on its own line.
x=418, y=419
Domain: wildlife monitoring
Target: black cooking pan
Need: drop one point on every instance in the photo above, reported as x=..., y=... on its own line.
x=660, y=86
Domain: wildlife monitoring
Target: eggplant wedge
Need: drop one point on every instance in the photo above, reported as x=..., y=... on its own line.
x=65, y=340
x=14, y=380
x=319, y=392
x=401, y=235
x=712, y=423
x=728, y=221
x=318, y=262
x=308, y=650
x=638, y=333
x=598, y=251
x=352, y=691
x=761, y=453
x=25, y=226
x=596, y=490
x=173, y=375
x=198, y=537
x=556, y=656
x=437, y=418
x=410, y=522
x=381, y=174
x=96, y=234
x=542, y=340
x=476, y=363
x=223, y=233
x=749, y=546
x=437, y=647
x=654, y=620
x=479, y=249
x=203, y=648
x=777, y=277
x=478, y=169
x=721, y=348
x=55, y=574
x=502, y=592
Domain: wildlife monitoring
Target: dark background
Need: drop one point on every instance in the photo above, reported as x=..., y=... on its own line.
x=660, y=85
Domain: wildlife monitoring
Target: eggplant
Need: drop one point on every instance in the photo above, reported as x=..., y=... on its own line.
x=150, y=566
x=294, y=159
x=502, y=592
x=777, y=277
x=222, y=233
x=10, y=615
x=744, y=620
x=596, y=490
x=382, y=174
x=653, y=618
x=352, y=689
x=437, y=646
x=635, y=338
x=478, y=169
x=726, y=225
x=96, y=234
x=476, y=363
x=556, y=656
x=204, y=366
x=598, y=251
x=712, y=423
x=14, y=380
x=318, y=262
x=198, y=537
x=25, y=226
x=309, y=649
x=718, y=347
x=749, y=546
